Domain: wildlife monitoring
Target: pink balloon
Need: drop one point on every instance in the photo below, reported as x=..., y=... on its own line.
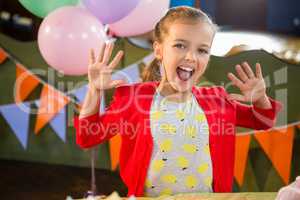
x=142, y=19
x=65, y=37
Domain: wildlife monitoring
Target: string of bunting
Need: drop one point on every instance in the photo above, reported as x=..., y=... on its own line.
x=276, y=143
x=52, y=102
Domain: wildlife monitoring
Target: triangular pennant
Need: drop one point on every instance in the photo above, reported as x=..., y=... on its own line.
x=114, y=149
x=298, y=125
x=148, y=58
x=241, y=156
x=58, y=124
x=3, y=56
x=17, y=116
x=25, y=83
x=272, y=179
x=51, y=102
x=278, y=147
x=80, y=93
x=130, y=73
x=258, y=159
x=251, y=183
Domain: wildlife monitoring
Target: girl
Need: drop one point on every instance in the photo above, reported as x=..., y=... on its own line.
x=176, y=138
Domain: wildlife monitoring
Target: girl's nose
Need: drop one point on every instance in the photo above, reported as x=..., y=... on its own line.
x=191, y=56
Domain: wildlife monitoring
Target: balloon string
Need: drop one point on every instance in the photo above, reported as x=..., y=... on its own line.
x=93, y=180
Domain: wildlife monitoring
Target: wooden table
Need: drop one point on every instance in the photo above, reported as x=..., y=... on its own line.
x=219, y=196
x=209, y=196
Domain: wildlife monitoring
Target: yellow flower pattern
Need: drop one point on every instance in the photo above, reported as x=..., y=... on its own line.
x=191, y=131
x=202, y=168
x=157, y=165
x=166, y=191
x=180, y=115
x=183, y=162
x=200, y=117
x=208, y=181
x=181, y=156
x=169, y=178
x=190, y=181
x=148, y=183
x=168, y=128
x=190, y=148
x=166, y=145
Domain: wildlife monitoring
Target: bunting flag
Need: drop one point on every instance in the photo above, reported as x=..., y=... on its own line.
x=58, y=124
x=51, y=102
x=146, y=60
x=241, y=156
x=114, y=149
x=80, y=93
x=17, y=117
x=278, y=146
x=130, y=73
x=25, y=83
x=298, y=126
x=3, y=56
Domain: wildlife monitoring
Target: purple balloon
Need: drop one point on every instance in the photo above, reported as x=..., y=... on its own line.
x=110, y=11
x=142, y=19
x=65, y=37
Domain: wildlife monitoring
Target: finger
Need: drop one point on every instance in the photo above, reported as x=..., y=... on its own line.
x=241, y=73
x=117, y=83
x=116, y=60
x=107, y=52
x=237, y=97
x=258, y=71
x=237, y=82
x=91, y=57
x=248, y=70
x=101, y=52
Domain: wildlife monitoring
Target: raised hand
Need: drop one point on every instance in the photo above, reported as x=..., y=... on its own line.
x=100, y=71
x=252, y=86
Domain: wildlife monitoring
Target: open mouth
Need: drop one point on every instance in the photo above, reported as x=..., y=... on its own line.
x=184, y=73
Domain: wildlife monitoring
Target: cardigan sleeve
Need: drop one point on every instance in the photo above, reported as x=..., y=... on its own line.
x=257, y=118
x=251, y=116
x=97, y=128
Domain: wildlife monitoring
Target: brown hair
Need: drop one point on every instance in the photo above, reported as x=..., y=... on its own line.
x=152, y=71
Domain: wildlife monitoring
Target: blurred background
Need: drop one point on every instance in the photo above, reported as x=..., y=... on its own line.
x=38, y=154
x=272, y=16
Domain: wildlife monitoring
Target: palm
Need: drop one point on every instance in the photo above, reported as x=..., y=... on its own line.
x=98, y=77
x=252, y=86
x=100, y=72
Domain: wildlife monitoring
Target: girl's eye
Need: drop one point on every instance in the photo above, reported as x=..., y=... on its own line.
x=180, y=46
x=203, y=51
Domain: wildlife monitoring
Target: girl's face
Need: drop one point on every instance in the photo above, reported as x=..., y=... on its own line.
x=184, y=53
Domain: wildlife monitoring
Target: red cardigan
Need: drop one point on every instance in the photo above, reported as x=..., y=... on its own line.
x=128, y=115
